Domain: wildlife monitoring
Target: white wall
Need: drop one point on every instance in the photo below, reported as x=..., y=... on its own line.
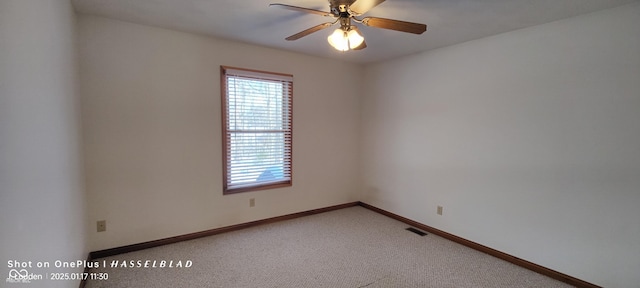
x=42, y=216
x=530, y=140
x=152, y=131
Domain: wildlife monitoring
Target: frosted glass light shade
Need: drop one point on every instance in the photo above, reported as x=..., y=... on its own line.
x=355, y=39
x=338, y=39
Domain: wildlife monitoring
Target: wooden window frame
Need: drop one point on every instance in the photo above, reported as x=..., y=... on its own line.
x=226, y=134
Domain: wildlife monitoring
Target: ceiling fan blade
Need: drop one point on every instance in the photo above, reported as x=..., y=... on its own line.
x=309, y=31
x=300, y=9
x=403, y=26
x=362, y=46
x=363, y=6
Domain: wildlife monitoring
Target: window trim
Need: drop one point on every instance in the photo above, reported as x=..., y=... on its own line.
x=225, y=139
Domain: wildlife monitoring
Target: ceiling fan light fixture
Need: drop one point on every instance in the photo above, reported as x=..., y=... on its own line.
x=347, y=37
x=343, y=40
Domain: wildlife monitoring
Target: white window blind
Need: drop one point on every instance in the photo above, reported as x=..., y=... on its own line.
x=257, y=127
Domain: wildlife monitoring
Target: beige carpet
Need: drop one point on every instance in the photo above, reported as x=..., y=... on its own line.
x=351, y=247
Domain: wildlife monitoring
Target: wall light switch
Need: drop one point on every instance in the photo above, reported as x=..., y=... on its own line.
x=439, y=210
x=252, y=202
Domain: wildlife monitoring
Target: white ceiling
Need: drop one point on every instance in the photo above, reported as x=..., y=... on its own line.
x=253, y=21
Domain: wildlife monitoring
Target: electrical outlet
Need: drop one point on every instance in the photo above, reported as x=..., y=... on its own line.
x=102, y=225
x=439, y=210
x=252, y=202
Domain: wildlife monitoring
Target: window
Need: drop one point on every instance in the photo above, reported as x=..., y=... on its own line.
x=256, y=116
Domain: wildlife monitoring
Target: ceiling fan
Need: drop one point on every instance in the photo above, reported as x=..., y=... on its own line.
x=347, y=37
